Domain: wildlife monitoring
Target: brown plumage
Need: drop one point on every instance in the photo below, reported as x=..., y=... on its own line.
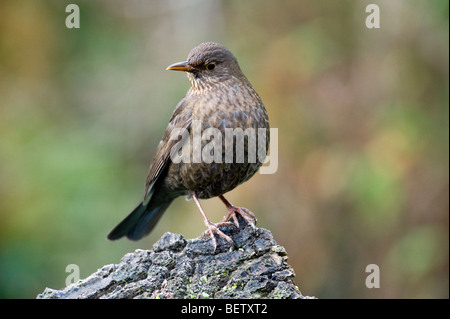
x=220, y=97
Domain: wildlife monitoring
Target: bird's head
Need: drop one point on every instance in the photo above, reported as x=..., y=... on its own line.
x=208, y=64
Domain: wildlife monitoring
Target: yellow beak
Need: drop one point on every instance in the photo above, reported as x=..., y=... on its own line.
x=180, y=66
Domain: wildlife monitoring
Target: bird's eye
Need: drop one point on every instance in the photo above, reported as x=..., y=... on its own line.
x=211, y=66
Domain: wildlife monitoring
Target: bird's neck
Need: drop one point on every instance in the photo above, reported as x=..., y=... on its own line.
x=199, y=86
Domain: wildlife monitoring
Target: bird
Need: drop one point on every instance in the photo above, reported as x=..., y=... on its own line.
x=220, y=98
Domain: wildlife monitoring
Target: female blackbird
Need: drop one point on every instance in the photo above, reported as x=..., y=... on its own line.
x=222, y=104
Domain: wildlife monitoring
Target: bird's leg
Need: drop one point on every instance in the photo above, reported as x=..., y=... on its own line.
x=212, y=228
x=233, y=210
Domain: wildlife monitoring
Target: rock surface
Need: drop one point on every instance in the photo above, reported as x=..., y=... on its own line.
x=178, y=268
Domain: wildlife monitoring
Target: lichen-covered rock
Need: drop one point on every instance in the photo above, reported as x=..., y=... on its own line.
x=178, y=268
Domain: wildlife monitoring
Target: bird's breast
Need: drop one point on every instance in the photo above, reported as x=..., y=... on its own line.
x=226, y=144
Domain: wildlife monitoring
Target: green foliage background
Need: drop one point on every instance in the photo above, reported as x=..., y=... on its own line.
x=363, y=128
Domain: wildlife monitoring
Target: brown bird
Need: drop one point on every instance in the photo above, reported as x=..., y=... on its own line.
x=220, y=99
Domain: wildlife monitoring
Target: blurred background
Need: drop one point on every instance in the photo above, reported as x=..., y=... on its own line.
x=362, y=116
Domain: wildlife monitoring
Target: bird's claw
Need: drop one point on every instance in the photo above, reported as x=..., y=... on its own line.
x=244, y=212
x=213, y=228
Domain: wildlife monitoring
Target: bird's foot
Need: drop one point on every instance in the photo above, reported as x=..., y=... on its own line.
x=213, y=228
x=233, y=210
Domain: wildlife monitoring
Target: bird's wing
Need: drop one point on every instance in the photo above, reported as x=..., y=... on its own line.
x=181, y=118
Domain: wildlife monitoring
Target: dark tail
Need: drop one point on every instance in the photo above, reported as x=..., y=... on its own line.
x=139, y=222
